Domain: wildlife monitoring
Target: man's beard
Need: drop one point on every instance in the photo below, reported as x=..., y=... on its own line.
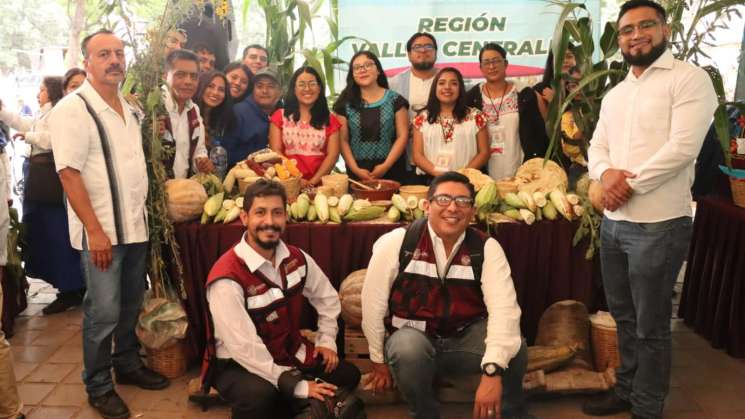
x=645, y=60
x=424, y=65
x=266, y=245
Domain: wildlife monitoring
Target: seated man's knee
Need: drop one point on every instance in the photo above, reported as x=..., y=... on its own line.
x=408, y=345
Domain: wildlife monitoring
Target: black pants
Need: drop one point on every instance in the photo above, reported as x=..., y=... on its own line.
x=252, y=397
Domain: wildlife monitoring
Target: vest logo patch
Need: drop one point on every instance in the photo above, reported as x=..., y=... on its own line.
x=256, y=289
x=291, y=265
x=272, y=316
x=465, y=260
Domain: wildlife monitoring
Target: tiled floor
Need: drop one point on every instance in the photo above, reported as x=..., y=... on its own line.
x=706, y=383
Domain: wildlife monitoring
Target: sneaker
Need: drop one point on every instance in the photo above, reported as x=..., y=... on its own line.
x=606, y=405
x=64, y=302
x=109, y=406
x=144, y=378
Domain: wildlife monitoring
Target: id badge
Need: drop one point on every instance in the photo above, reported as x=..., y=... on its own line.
x=443, y=161
x=496, y=139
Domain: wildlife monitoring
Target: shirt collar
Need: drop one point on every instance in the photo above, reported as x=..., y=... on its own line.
x=253, y=259
x=664, y=62
x=97, y=102
x=170, y=103
x=437, y=240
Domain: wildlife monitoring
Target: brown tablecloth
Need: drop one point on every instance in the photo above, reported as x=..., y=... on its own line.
x=714, y=288
x=545, y=266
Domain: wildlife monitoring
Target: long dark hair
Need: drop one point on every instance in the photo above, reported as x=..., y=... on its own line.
x=221, y=117
x=67, y=78
x=54, y=88
x=319, y=112
x=548, y=70
x=236, y=65
x=352, y=94
x=433, y=104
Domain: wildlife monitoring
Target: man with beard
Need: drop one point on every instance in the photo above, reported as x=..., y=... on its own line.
x=183, y=128
x=256, y=292
x=414, y=84
x=650, y=130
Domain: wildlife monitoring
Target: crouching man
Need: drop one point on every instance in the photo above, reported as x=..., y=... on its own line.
x=257, y=359
x=444, y=293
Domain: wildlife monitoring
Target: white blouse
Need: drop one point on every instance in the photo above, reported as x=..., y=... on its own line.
x=448, y=144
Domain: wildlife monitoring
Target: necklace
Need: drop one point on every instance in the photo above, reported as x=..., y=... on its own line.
x=447, y=126
x=501, y=102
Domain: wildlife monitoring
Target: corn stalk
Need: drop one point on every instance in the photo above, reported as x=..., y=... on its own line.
x=145, y=76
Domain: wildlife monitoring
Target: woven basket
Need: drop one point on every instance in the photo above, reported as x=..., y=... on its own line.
x=292, y=187
x=604, y=346
x=419, y=191
x=170, y=361
x=338, y=182
x=243, y=184
x=738, y=191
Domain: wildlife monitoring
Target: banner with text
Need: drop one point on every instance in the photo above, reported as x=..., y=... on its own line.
x=524, y=28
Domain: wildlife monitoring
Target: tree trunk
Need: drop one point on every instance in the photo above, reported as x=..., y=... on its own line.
x=78, y=20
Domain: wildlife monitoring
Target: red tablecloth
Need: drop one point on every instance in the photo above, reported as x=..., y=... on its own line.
x=545, y=266
x=714, y=288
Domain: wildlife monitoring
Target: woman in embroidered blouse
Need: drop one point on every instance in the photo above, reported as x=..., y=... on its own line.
x=215, y=105
x=374, y=121
x=304, y=129
x=448, y=135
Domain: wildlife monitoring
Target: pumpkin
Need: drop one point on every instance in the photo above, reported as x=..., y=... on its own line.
x=350, y=295
x=595, y=193
x=185, y=199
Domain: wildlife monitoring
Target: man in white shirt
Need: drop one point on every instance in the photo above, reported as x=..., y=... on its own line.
x=444, y=293
x=184, y=128
x=256, y=292
x=415, y=83
x=97, y=145
x=651, y=128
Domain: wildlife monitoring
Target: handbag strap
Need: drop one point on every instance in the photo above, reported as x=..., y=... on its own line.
x=113, y=185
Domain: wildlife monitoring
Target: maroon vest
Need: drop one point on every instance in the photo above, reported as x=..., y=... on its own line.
x=446, y=306
x=169, y=141
x=275, y=312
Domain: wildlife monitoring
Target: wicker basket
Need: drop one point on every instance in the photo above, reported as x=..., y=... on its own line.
x=292, y=187
x=604, y=344
x=338, y=182
x=738, y=191
x=243, y=184
x=419, y=191
x=170, y=361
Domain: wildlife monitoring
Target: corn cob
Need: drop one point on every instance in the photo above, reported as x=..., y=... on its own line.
x=514, y=201
x=572, y=198
x=303, y=203
x=220, y=215
x=291, y=166
x=422, y=205
x=231, y=215
x=540, y=199
x=334, y=215
x=228, y=204
x=266, y=156
x=239, y=202
x=579, y=210
x=514, y=214
x=528, y=200
x=242, y=173
x=345, y=203
x=399, y=202
x=270, y=172
x=539, y=214
x=527, y=216
x=364, y=214
x=333, y=201
x=412, y=202
x=360, y=203
x=293, y=211
x=549, y=211
x=486, y=195
x=229, y=181
x=282, y=171
x=213, y=204
x=205, y=218
x=393, y=214
x=312, y=216
x=322, y=207
x=560, y=202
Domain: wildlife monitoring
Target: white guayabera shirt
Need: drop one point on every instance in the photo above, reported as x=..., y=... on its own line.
x=654, y=126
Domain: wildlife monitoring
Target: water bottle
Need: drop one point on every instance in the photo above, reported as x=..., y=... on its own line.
x=219, y=158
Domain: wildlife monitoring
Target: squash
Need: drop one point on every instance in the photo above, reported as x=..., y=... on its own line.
x=350, y=295
x=595, y=193
x=185, y=199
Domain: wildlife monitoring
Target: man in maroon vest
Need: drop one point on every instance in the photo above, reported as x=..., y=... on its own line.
x=444, y=293
x=183, y=129
x=260, y=362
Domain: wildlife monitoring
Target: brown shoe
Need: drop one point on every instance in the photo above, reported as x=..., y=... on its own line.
x=606, y=405
x=109, y=406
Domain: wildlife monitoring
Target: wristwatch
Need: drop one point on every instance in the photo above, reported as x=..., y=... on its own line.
x=491, y=369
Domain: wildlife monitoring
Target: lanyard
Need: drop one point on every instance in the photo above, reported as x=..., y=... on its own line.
x=501, y=102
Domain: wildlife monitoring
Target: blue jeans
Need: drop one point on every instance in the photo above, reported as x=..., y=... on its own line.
x=640, y=263
x=415, y=359
x=111, y=305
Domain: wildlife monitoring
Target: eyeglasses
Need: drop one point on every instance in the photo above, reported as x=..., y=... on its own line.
x=302, y=85
x=492, y=63
x=366, y=66
x=423, y=47
x=644, y=25
x=445, y=200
